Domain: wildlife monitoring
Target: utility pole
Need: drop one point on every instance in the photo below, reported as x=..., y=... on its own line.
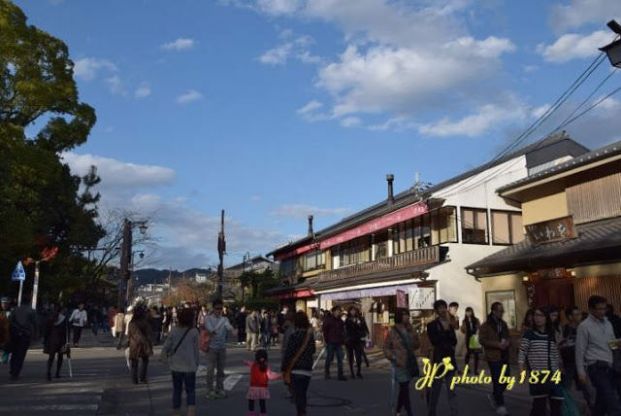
x=221, y=251
x=126, y=255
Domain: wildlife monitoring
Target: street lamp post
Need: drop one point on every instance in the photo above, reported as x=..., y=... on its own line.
x=613, y=50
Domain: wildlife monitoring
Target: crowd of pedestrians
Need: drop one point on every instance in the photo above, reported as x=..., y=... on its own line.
x=584, y=348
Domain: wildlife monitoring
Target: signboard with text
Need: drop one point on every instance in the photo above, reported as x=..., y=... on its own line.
x=422, y=298
x=550, y=231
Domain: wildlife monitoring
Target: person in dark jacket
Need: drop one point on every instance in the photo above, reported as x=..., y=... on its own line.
x=301, y=341
x=442, y=336
x=495, y=339
x=56, y=331
x=156, y=322
x=23, y=329
x=356, y=330
x=240, y=324
x=334, y=338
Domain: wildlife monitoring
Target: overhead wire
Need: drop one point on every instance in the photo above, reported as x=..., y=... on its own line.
x=534, y=126
x=554, y=107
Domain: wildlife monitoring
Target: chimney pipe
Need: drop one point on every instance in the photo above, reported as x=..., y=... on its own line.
x=390, y=178
x=310, y=226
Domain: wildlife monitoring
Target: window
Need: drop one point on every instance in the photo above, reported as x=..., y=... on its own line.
x=424, y=239
x=288, y=267
x=314, y=260
x=446, y=225
x=507, y=227
x=474, y=226
x=352, y=252
x=409, y=233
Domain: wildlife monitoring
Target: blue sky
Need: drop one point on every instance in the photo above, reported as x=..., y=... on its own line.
x=274, y=109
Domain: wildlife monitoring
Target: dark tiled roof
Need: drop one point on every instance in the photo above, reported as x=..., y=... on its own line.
x=597, y=241
x=409, y=196
x=251, y=261
x=585, y=159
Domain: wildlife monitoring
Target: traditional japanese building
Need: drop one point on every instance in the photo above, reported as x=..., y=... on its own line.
x=572, y=217
x=412, y=248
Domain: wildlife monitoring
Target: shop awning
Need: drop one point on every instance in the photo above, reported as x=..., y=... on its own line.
x=368, y=292
x=598, y=241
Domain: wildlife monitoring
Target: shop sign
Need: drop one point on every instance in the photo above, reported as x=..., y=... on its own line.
x=556, y=273
x=377, y=224
x=401, y=300
x=422, y=297
x=550, y=231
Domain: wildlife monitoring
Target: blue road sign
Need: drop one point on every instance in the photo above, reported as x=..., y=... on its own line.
x=19, y=273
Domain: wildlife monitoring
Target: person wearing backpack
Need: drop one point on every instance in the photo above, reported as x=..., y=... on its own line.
x=23, y=330
x=401, y=342
x=441, y=332
x=180, y=350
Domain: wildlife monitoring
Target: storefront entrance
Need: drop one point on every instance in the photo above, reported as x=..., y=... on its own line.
x=557, y=292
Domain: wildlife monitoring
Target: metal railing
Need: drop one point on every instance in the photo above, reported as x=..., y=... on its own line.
x=427, y=255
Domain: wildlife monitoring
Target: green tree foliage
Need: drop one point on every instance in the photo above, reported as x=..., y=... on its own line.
x=41, y=203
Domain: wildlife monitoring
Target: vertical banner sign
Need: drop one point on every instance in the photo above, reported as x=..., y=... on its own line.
x=401, y=300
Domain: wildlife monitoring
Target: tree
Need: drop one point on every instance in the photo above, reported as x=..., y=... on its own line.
x=43, y=203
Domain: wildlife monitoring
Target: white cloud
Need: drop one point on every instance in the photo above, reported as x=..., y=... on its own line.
x=180, y=44
x=181, y=233
x=117, y=174
x=311, y=111
x=581, y=12
x=277, y=55
x=115, y=85
x=293, y=48
x=304, y=210
x=189, y=97
x=392, y=79
x=540, y=111
x=399, y=123
x=279, y=7
x=486, y=118
x=575, y=46
x=401, y=59
x=89, y=68
x=351, y=121
x=144, y=90
x=185, y=232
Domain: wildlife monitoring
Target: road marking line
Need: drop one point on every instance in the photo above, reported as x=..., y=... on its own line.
x=51, y=407
x=231, y=381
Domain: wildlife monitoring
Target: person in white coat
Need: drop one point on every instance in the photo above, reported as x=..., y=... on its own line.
x=78, y=321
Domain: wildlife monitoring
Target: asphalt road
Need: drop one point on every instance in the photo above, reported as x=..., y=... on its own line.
x=101, y=386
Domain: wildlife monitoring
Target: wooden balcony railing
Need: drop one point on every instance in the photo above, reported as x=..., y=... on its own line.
x=427, y=255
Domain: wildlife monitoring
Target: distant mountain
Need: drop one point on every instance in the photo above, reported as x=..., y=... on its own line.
x=156, y=276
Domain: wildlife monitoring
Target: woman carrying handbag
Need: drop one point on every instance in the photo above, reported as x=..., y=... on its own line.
x=297, y=364
x=399, y=347
x=180, y=351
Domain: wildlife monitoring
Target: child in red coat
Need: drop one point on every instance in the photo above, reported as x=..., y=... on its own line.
x=260, y=374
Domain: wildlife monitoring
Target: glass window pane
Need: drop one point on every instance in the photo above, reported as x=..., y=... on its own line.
x=517, y=231
x=500, y=224
x=409, y=244
x=451, y=223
